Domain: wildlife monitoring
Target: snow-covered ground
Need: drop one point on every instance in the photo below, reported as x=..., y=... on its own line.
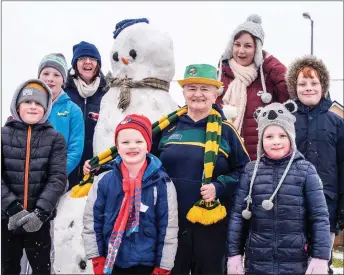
x=69, y=249
x=340, y=256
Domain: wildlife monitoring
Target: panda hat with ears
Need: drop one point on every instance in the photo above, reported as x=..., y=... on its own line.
x=273, y=114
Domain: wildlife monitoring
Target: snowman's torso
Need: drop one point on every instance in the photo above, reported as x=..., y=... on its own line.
x=152, y=103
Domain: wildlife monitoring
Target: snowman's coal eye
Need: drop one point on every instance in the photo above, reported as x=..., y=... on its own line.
x=115, y=56
x=133, y=54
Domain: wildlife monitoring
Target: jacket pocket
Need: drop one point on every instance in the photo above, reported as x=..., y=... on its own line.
x=149, y=240
x=331, y=202
x=330, y=194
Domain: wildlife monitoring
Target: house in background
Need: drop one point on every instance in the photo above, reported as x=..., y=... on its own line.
x=337, y=108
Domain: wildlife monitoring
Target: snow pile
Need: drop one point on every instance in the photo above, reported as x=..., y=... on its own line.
x=68, y=244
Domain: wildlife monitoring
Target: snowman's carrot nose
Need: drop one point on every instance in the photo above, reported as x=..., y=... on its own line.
x=125, y=61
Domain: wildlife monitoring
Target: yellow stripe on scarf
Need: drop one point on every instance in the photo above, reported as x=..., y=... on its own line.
x=208, y=169
x=212, y=146
x=104, y=154
x=105, y=160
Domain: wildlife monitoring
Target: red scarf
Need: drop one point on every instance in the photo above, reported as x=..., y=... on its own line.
x=129, y=214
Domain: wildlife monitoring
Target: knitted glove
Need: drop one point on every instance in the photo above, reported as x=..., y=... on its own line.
x=317, y=266
x=16, y=211
x=98, y=265
x=234, y=265
x=33, y=221
x=160, y=271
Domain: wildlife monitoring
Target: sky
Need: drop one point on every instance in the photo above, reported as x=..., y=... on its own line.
x=199, y=30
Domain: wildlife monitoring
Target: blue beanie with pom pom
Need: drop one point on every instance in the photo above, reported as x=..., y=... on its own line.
x=120, y=26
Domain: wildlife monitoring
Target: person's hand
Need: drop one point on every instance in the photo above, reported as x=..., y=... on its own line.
x=98, y=265
x=33, y=221
x=87, y=167
x=234, y=265
x=317, y=266
x=208, y=192
x=16, y=212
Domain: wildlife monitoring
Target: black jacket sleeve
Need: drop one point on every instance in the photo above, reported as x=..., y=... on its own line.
x=237, y=228
x=318, y=216
x=56, y=176
x=7, y=197
x=340, y=168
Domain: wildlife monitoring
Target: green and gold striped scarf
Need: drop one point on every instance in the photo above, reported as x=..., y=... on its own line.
x=203, y=212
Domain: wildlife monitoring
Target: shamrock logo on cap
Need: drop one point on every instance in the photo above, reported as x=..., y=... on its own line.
x=192, y=71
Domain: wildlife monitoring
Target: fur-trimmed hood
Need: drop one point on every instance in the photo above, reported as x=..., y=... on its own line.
x=307, y=61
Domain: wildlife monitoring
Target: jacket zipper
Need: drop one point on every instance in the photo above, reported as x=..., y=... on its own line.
x=85, y=104
x=80, y=171
x=27, y=164
x=275, y=271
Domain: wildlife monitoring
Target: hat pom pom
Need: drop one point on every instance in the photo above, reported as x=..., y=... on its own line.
x=246, y=214
x=255, y=18
x=267, y=204
x=266, y=98
x=230, y=111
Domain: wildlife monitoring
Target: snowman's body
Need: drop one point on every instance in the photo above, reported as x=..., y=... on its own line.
x=154, y=59
x=154, y=104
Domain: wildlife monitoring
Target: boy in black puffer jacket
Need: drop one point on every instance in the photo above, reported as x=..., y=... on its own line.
x=33, y=178
x=280, y=200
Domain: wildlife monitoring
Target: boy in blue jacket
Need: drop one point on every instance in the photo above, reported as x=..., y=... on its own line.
x=131, y=215
x=65, y=116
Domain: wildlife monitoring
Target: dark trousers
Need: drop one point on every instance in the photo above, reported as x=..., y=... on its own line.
x=138, y=269
x=37, y=246
x=201, y=250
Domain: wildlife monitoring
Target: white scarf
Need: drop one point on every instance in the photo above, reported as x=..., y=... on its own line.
x=86, y=90
x=235, y=97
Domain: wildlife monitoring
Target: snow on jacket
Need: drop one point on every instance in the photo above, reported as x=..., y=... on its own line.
x=320, y=138
x=276, y=241
x=180, y=148
x=156, y=242
x=46, y=156
x=87, y=106
x=66, y=118
x=274, y=73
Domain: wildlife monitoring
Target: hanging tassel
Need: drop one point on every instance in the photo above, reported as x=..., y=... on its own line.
x=267, y=204
x=206, y=213
x=80, y=191
x=247, y=214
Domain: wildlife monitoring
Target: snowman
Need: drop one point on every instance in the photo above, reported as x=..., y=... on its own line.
x=142, y=61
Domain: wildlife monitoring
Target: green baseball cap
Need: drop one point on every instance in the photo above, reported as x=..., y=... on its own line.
x=200, y=74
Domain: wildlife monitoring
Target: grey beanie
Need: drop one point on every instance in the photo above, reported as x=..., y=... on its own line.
x=254, y=27
x=273, y=114
x=56, y=61
x=36, y=92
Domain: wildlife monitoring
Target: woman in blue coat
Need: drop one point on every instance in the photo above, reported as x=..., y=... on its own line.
x=86, y=86
x=65, y=116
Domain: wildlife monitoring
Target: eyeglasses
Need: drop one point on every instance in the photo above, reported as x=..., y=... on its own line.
x=84, y=58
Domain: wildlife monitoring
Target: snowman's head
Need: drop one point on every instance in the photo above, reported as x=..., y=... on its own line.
x=140, y=51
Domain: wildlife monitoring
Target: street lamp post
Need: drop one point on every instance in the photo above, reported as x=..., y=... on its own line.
x=307, y=16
